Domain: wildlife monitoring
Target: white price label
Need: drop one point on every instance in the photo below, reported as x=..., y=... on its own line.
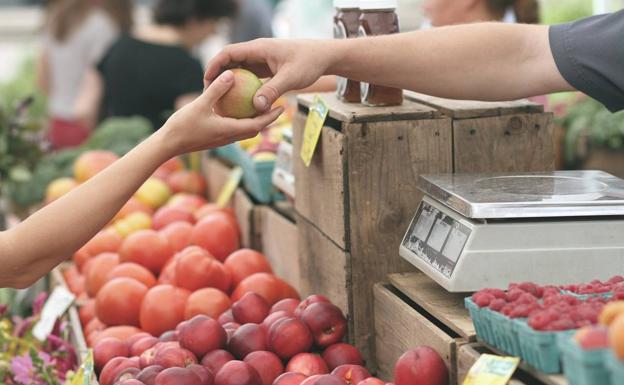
x=55, y=306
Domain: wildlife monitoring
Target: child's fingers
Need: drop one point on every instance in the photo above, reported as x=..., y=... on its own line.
x=218, y=87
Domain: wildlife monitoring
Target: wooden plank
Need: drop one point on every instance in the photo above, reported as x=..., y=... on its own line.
x=464, y=109
x=356, y=112
x=504, y=144
x=321, y=188
x=243, y=208
x=399, y=328
x=324, y=266
x=216, y=173
x=385, y=159
x=279, y=238
x=447, y=307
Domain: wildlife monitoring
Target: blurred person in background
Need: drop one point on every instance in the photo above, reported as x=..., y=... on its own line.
x=76, y=35
x=253, y=21
x=449, y=12
x=152, y=72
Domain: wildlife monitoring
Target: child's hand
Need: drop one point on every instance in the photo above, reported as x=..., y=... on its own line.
x=197, y=127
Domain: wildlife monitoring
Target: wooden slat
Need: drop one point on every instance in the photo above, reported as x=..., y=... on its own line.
x=216, y=174
x=279, y=238
x=244, y=210
x=504, y=144
x=385, y=159
x=447, y=307
x=325, y=267
x=399, y=328
x=463, y=109
x=356, y=112
x=321, y=188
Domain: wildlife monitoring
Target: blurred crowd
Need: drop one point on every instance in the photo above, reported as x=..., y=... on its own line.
x=96, y=61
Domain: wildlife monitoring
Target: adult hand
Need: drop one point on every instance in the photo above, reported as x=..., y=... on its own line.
x=197, y=127
x=291, y=65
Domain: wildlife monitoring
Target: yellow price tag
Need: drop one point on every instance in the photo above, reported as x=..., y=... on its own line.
x=230, y=186
x=85, y=374
x=312, y=132
x=492, y=370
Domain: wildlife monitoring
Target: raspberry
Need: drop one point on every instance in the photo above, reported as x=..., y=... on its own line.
x=482, y=299
x=497, y=304
x=561, y=324
x=618, y=295
x=581, y=323
x=526, y=298
x=616, y=279
x=497, y=293
x=507, y=309
x=514, y=293
x=539, y=320
x=520, y=311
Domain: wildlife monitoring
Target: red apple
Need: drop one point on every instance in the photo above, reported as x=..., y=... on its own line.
x=312, y=379
x=274, y=317
x=130, y=341
x=226, y=317
x=147, y=358
x=201, y=335
x=131, y=381
x=288, y=305
x=352, y=374
x=329, y=379
x=371, y=381
x=288, y=337
x=177, y=376
x=231, y=325
x=107, y=349
x=422, y=366
x=267, y=364
x=290, y=378
x=326, y=322
x=251, y=308
x=237, y=373
x=148, y=375
x=308, y=364
x=142, y=345
x=126, y=374
x=114, y=367
x=341, y=354
x=216, y=359
x=205, y=375
x=246, y=339
x=316, y=298
x=174, y=357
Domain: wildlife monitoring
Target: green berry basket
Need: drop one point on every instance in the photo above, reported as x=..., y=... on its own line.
x=616, y=369
x=540, y=349
x=584, y=367
x=481, y=318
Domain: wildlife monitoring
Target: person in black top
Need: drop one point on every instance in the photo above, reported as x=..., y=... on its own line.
x=151, y=72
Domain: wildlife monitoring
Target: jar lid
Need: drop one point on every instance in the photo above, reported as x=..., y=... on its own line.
x=346, y=4
x=378, y=4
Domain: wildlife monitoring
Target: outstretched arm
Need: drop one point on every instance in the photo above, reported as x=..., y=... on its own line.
x=32, y=248
x=487, y=61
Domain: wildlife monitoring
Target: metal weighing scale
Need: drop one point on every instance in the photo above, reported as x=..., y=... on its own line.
x=477, y=231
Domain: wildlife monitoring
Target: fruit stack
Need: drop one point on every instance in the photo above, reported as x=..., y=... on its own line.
x=595, y=354
x=527, y=320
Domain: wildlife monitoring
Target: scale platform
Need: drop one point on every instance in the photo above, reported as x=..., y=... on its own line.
x=477, y=231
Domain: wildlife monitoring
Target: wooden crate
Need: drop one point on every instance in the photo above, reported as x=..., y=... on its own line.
x=359, y=193
x=278, y=241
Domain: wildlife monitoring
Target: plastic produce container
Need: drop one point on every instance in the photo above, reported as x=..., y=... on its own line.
x=616, y=369
x=584, y=367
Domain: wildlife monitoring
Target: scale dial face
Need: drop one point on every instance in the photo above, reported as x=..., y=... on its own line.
x=436, y=238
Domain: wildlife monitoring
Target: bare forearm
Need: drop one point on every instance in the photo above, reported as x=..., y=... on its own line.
x=41, y=242
x=490, y=61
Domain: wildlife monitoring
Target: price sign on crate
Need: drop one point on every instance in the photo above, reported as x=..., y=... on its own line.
x=230, y=186
x=492, y=370
x=312, y=132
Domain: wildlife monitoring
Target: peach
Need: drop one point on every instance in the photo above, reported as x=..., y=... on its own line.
x=133, y=206
x=226, y=317
x=207, y=301
x=114, y=367
x=201, y=335
x=326, y=322
x=251, y=308
x=170, y=336
x=134, y=338
x=92, y=162
x=289, y=337
x=288, y=305
x=308, y=364
x=59, y=187
x=126, y=374
x=371, y=381
x=311, y=380
x=217, y=234
x=131, y=381
x=423, y=366
x=272, y=318
x=146, y=358
x=309, y=301
x=107, y=349
x=188, y=202
x=99, y=268
x=105, y=241
x=148, y=374
x=114, y=309
x=216, y=359
x=205, y=375
x=267, y=364
x=187, y=181
x=342, y=354
x=170, y=166
x=178, y=234
x=237, y=373
x=246, y=339
x=329, y=379
x=245, y=262
x=290, y=378
x=133, y=270
x=177, y=376
x=238, y=101
x=351, y=374
x=610, y=311
x=170, y=357
x=154, y=193
x=142, y=345
x=167, y=215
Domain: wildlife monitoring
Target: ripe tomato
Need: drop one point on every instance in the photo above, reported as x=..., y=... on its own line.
x=94, y=326
x=178, y=234
x=119, y=301
x=168, y=215
x=208, y=301
x=217, y=234
x=121, y=332
x=163, y=308
x=81, y=257
x=147, y=248
x=106, y=241
x=199, y=269
x=167, y=275
x=272, y=288
x=135, y=271
x=86, y=312
x=98, y=270
x=245, y=262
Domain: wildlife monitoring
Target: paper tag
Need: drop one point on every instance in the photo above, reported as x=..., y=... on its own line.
x=85, y=374
x=492, y=370
x=230, y=186
x=312, y=132
x=55, y=306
